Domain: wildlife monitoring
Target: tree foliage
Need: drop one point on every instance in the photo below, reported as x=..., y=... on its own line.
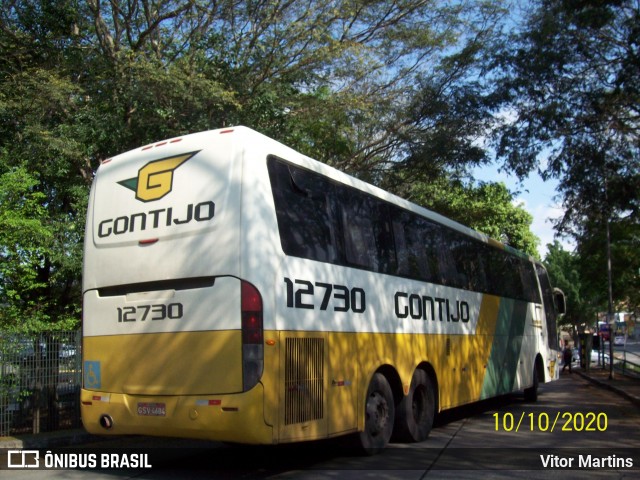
x=569, y=97
x=40, y=255
x=570, y=81
x=625, y=260
x=565, y=273
x=486, y=207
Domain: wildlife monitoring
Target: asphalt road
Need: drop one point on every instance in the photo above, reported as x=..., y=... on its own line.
x=573, y=425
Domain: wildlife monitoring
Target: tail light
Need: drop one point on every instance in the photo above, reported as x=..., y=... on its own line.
x=252, y=336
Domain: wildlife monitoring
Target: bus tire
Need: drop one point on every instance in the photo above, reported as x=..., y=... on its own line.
x=416, y=411
x=531, y=393
x=379, y=416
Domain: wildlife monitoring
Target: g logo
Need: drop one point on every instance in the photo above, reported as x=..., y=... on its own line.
x=155, y=179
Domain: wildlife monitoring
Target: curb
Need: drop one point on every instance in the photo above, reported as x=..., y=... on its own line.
x=632, y=398
x=60, y=438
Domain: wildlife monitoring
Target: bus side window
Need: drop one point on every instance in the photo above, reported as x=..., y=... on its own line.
x=528, y=276
x=549, y=307
x=416, y=258
x=467, y=259
x=501, y=276
x=444, y=243
x=359, y=236
x=303, y=212
x=388, y=261
x=368, y=240
x=400, y=240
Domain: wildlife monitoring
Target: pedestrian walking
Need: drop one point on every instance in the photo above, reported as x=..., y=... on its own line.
x=566, y=357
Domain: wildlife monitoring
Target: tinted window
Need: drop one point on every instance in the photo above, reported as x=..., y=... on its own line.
x=303, y=211
x=417, y=246
x=468, y=257
x=367, y=237
x=549, y=305
x=359, y=228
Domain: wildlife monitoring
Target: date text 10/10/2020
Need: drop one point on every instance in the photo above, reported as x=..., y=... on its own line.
x=544, y=422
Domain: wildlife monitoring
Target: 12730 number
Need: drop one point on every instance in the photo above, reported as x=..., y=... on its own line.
x=142, y=313
x=303, y=293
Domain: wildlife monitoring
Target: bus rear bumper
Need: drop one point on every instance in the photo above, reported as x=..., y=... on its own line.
x=231, y=418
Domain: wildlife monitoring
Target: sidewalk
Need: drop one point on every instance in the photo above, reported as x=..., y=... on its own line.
x=624, y=385
x=59, y=438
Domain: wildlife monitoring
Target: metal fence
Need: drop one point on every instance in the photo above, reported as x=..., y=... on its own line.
x=629, y=364
x=40, y=378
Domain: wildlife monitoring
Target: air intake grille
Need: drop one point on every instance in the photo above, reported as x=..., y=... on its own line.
x=303, y=380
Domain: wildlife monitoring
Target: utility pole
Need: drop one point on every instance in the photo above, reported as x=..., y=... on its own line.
x=610, y=299
x=607, y=222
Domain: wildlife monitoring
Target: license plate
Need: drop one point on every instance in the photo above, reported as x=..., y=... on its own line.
x=152, y=409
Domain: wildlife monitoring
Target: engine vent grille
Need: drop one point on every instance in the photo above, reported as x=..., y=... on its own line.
x=304, y=380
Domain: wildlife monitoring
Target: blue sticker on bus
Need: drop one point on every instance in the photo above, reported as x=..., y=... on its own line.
x=92, y=377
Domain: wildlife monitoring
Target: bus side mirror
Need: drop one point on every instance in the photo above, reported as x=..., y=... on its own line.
x=561, y=303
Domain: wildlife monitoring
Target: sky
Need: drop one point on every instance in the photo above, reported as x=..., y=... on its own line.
x=538, y=197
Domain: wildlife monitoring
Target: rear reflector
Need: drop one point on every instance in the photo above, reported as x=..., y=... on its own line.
x=148, y=241
x=208, y=403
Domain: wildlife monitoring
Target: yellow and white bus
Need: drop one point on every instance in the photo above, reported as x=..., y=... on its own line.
x=237, y=290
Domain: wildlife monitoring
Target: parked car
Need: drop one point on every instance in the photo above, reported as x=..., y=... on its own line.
x=24, y=350
x=575, y=355
x=618, y=340
x=67, y=351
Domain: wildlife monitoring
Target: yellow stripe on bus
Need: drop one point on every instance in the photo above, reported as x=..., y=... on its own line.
x=176, y=363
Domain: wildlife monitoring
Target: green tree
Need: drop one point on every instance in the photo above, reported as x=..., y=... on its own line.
x=486, y=207
x=332, y=79
x=565, y=273
x=569, y=89
x=26, y=242
x=625, y=259
x=570, y=83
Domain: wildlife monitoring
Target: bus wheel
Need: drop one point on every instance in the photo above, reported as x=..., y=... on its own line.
x=531, y=393
x=415, y=414
x=379, y=416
